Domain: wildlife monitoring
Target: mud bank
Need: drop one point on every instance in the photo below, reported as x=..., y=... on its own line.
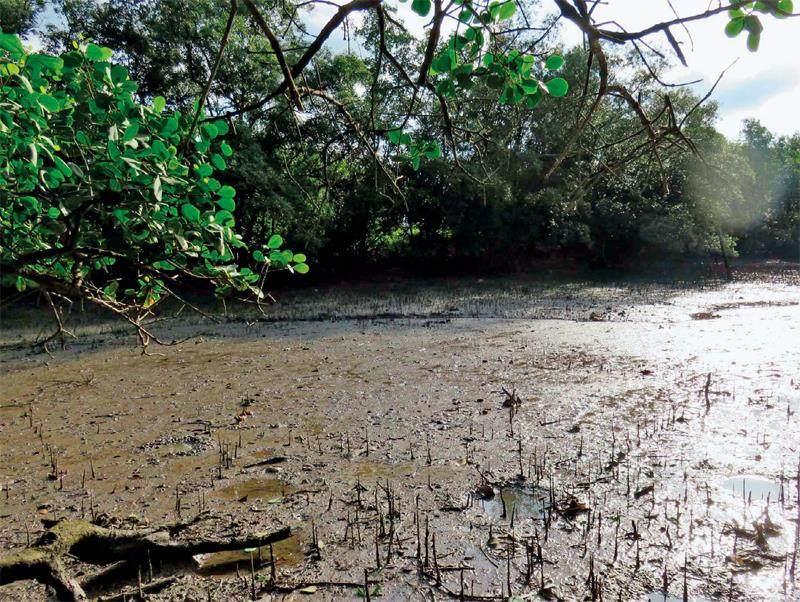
x=635, y=446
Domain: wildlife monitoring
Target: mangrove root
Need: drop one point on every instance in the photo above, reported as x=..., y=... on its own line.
x=90, y=543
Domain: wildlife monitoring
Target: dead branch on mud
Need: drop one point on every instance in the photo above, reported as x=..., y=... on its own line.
x=90, y=543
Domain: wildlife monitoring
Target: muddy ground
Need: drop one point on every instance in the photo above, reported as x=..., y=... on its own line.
x=477, y=439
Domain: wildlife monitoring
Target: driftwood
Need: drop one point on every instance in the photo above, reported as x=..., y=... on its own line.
x=90, y=543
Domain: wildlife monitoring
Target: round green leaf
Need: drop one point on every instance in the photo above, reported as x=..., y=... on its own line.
x=159, y=103
x=275, y=241
x=190, y=212
x=259, y=256
x=227, y=192
x=223, y=217
x=734, y=27
x=299, y=258
x=554, y=62
x=226, y=203
x=558, y=87
x=301, y=268
x=421, y=7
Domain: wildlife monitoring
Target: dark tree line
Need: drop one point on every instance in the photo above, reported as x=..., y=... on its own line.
x=605, y=183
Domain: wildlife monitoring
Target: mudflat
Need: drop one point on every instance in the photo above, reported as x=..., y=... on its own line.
x=477, y=440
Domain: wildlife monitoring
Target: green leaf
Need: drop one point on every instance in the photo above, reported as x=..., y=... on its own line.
x=221, y=127
x=53, y=213
x=259, y=256
x=12, y=44
x=50, y=104
x=441, y=64
x=111, y=289
x=433, y=151
x=532, y=100
x=299, y=258
x=421, y=7
x=170, y=127
x=61, y=166
x=753, y=24
x=394, y=136
x=204, y=170
x=226, y=149
x=226, y=203
x=554, y=62
x=275, y=241
x=218, y=162
x=119, y=74
x=44, y=61
x=301, y=268
x=505, y=10
x=130, y=132
x=734, y=27
x=223, y=216
x=159, y=103
x=785, y=8
x=276, y=257
x=753, y=40
x=227, y=192
x=190, y=212
x=558, y=87
x=98, y=53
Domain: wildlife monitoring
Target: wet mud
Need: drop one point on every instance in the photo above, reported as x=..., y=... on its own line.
x=620, y=448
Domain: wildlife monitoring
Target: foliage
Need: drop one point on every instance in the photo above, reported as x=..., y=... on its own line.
x=19, y=16
x=744, y=17
x=110, y=199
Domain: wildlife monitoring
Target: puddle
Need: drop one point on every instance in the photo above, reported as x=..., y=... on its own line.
x=256, y=489
x=753, y=487
x=288, y=552
x=526, y=504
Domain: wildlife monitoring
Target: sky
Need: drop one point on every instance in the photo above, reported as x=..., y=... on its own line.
x=764, y=85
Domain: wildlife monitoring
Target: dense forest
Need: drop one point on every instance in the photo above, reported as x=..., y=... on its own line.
x=314, y=175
